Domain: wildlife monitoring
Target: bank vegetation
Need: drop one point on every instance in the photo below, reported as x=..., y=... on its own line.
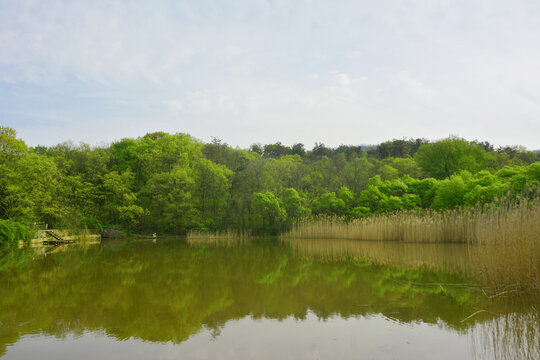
x=503, y=240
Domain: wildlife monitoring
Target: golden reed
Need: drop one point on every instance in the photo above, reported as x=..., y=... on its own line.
x=504, y=241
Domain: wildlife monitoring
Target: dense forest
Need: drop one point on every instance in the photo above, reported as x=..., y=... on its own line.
x=175, y=183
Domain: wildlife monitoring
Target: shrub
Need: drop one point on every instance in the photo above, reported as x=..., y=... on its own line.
x=11, y=232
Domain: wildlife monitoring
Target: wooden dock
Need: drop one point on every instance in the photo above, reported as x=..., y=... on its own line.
x=57, y=239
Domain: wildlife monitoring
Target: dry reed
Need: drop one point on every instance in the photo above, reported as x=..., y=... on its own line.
x=451, y=226
x=510, y=243
x=504, y=242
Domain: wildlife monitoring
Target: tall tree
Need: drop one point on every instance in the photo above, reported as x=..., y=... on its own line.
x=449, y=156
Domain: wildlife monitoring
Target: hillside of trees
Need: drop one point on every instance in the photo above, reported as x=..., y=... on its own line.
x=173, y=183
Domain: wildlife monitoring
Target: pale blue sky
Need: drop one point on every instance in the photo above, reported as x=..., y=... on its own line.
x=336, y=72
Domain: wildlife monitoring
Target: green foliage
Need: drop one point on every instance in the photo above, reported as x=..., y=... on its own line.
x=396, y=148
x=390, y=204
x=294, y=204
x=371, y=197
x=11, y=232
x=449, y=156
x=360, y=212
x=533, y=171
x=425, y=189
x=463, y=189
x=282, y=173
x=173, y=183
x=168, y=198
x=27, y=187
x=10, y=146
x=268, y=215
x=346, y=195
x=120, y=199
x=404, y=166
x=357, y=172
x=387, y=172
x=450, y=193
x=330, y=204
x=411, y=201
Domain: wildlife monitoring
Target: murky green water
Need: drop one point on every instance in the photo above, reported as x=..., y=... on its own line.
x=264, y=300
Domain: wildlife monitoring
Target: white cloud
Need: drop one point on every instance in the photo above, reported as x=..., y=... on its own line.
x=342, y=79
x=175, y=105
x=414, y=86
x=237, y=68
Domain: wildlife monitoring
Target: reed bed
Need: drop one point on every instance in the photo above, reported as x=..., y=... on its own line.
x=503, y=242
x=223, y=238
x=510, y=243
x=451, y=226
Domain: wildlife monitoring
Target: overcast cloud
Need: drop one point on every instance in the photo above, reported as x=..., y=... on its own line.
x=336, y=72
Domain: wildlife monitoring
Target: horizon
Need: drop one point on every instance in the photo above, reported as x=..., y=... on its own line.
x=102, y=144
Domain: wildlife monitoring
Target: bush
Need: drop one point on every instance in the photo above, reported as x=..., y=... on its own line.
x=11, y=232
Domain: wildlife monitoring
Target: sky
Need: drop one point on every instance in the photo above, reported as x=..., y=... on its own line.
x=336, y=72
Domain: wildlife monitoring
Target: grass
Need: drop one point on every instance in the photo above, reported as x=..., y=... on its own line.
x=503, y=243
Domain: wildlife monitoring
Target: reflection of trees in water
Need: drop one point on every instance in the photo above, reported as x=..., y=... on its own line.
x=169, y=291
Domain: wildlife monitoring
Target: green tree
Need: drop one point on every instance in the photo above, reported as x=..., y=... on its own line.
x=282, y=173
x=391, y=204
x=28, y=183
x=450, y=193
x=268, y=216
x=347, y=196
x=168, y=198
x=330, y=204
x=372, y=196
x=10, y=146
x=387, y=172
x=425, y=189
x=404, y=166
x=449, y=156
x=120, y=200
x=357, y=174
x=294, y=204
x=211, y=191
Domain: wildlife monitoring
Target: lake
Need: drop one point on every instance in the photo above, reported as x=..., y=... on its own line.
x=262, y=299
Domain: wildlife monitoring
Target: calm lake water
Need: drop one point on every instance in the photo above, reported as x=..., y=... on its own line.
x=169, y=299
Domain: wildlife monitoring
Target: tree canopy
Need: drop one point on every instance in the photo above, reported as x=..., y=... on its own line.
x=174, y=183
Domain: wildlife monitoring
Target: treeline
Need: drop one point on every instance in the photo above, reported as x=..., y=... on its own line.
x=174, y=183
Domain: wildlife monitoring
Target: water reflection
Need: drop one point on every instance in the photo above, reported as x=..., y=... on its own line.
x=449, y=257
x=514, y=335
x=170, y=291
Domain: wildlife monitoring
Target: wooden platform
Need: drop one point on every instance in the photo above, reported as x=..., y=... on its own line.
x=57, y=239
x=56, y=242
x=45, y=240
